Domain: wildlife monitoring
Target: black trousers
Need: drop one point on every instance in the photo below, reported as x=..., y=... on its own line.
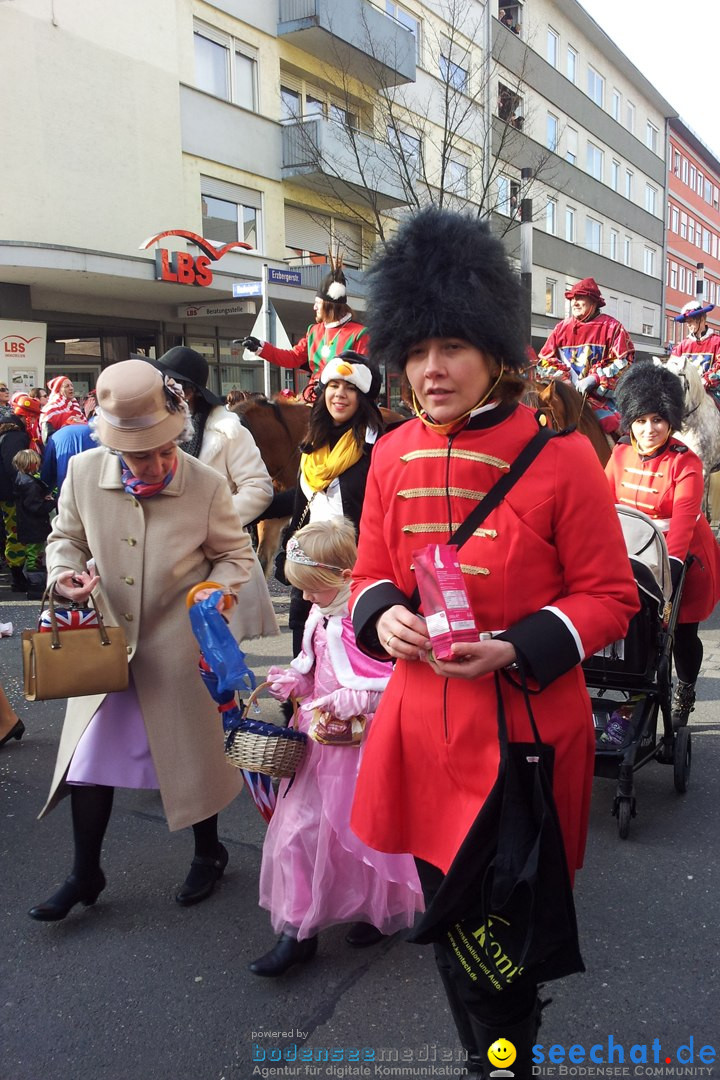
x=687, y=652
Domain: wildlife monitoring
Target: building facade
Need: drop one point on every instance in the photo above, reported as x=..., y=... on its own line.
x=692, y=267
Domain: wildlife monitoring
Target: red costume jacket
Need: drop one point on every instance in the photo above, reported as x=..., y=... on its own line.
x=705, y=354
x=322, y=342
x=668, y=486
x=600, y=347
x=548, y=568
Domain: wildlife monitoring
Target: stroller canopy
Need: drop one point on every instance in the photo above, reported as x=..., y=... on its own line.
x=648, y=555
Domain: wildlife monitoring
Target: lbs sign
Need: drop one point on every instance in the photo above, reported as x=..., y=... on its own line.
x=181, y=268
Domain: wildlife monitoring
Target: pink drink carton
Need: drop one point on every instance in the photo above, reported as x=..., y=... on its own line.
x=445, y=602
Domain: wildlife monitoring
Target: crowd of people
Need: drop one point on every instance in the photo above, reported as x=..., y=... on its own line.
x=403, y=745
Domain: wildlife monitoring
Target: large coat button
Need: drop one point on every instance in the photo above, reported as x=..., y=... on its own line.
x=128, y=617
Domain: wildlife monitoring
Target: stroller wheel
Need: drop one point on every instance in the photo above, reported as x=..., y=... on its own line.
x=682, y=759
x=623, y=810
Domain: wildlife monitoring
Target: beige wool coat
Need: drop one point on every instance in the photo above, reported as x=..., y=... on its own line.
x=149, y=553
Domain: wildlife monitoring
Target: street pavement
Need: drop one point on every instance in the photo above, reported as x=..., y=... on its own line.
x=137, y=988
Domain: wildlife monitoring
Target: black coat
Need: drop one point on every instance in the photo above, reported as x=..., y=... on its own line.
x=32, y=509
x=13, y=437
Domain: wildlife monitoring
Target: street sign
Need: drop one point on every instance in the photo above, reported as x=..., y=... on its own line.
x=222, y=308
x=247, y=288
x=283, y=277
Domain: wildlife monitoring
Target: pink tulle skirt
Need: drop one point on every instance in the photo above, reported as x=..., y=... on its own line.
x=315, y=871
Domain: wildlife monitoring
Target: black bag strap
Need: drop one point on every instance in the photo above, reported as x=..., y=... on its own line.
x=496, y=494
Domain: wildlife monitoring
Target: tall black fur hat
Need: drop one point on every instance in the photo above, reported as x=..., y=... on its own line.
x=444, y=275
x=649, y=388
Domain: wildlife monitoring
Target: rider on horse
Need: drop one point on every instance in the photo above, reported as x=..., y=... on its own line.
x=702, y=345
x=589, y=350
x=334, y=331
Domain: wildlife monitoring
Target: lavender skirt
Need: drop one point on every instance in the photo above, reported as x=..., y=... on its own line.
x=114, y=749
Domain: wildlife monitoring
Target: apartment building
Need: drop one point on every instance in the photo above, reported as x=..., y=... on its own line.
x=594, y=134
x=692, y=267
x=150, y=140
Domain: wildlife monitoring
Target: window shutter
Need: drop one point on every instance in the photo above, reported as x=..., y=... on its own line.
x=220, y=189
x=309, y=232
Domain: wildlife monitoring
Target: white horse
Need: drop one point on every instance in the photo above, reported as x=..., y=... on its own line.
x=701, y=419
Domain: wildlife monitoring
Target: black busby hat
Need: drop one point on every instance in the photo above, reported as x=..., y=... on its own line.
x=334, y=286
x=186, y=365
x=650, y=388
x=444, y=275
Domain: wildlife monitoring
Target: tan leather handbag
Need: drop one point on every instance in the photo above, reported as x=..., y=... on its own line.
x=73, y=663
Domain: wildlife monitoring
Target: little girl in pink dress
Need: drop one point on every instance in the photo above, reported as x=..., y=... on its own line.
x=315, y=872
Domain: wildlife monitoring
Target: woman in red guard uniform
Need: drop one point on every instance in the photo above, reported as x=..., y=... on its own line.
x=546, y=575
x=334, y=331
x=653, y=472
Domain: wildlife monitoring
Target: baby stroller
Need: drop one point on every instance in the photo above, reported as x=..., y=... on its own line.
x=630, y=682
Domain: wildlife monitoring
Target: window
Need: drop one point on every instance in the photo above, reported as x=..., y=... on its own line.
x=627, y=314
x=648, y=320
x=706, y=240
x=552, y=132
x=629, y=183
x=681, y=279
x=630, y=117
x=676, y=163
x=685, y=168
x=231, y=212
x=616, y=105
x=455, y=75
x=651, y=137
x=457, y=174
x=612, y=306
x=627, y=251
x=550, y=293
x=691, y=282
x=708, y=192
x=614, y=241
x=309, y=234
x=508, y=196
x=650, y=198
x=596, y=86
x=407, y=20
x=615, y=175
x=700, y=183
x=649, y=260
x=570, y=224
x=571, y=68
x=593, y=235
x=572, y=145
x=224, y=67
x=691, y=231
x=595, y=161
x=551, y=216
x=405, y=146
x=674, y=219
x=693, y=177
x=553, y=47
x=510, y=106
x=683, y=224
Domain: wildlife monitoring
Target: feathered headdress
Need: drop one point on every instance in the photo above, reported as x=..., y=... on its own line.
x=334, y=287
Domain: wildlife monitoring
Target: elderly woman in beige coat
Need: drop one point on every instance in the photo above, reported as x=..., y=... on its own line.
x=157, y=523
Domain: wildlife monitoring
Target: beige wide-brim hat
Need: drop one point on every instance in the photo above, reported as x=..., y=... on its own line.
x=135, y=409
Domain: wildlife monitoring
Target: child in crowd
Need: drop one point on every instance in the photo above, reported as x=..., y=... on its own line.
x=315, y=872
x=33, y=505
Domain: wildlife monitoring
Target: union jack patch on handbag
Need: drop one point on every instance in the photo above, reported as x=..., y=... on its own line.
x=68, y=619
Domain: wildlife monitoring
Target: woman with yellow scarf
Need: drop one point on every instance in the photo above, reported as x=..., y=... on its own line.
x=344, y=425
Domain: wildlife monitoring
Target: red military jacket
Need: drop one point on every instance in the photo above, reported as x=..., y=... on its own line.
x=547, y=569
x=322, y=342
x=600, y=347
x=668, y=486
x=705, y=353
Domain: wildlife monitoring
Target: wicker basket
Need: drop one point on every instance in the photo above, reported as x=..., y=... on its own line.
x=265, y=748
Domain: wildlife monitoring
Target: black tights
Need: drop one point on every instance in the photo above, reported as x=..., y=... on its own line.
x=687, y=652
x=91, y=805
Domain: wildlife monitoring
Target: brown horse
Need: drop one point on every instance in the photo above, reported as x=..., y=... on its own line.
x=562, y=406
x=279, y=427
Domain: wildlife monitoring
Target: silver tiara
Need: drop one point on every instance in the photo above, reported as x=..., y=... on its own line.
x=294, y=553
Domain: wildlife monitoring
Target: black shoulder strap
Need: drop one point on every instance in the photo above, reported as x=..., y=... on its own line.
x=499, y=490
x=496, y=494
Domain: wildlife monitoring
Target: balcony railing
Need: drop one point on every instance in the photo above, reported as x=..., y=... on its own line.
x=353, y=36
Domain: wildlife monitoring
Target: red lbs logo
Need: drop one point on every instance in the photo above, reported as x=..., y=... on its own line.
x=184, y=269
x=15, y=344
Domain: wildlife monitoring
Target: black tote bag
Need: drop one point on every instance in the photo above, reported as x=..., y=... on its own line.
x=505, y=907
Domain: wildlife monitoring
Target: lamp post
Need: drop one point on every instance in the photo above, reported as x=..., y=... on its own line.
x=526, y=254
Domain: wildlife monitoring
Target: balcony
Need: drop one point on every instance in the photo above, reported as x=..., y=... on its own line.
x=353, y=36
x=336, y=161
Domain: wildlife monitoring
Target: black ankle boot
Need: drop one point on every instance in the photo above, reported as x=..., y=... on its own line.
x=521, y=1034
x=286, y=952
x=362, y=934
x=74, y=891
x=205, y=872
x=683, y=703
x=15, y=732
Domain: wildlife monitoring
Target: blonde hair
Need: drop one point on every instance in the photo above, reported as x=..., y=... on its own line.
x=331, y=543
x=27, y=461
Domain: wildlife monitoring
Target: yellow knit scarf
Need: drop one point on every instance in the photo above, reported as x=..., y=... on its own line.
x=323, y=465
